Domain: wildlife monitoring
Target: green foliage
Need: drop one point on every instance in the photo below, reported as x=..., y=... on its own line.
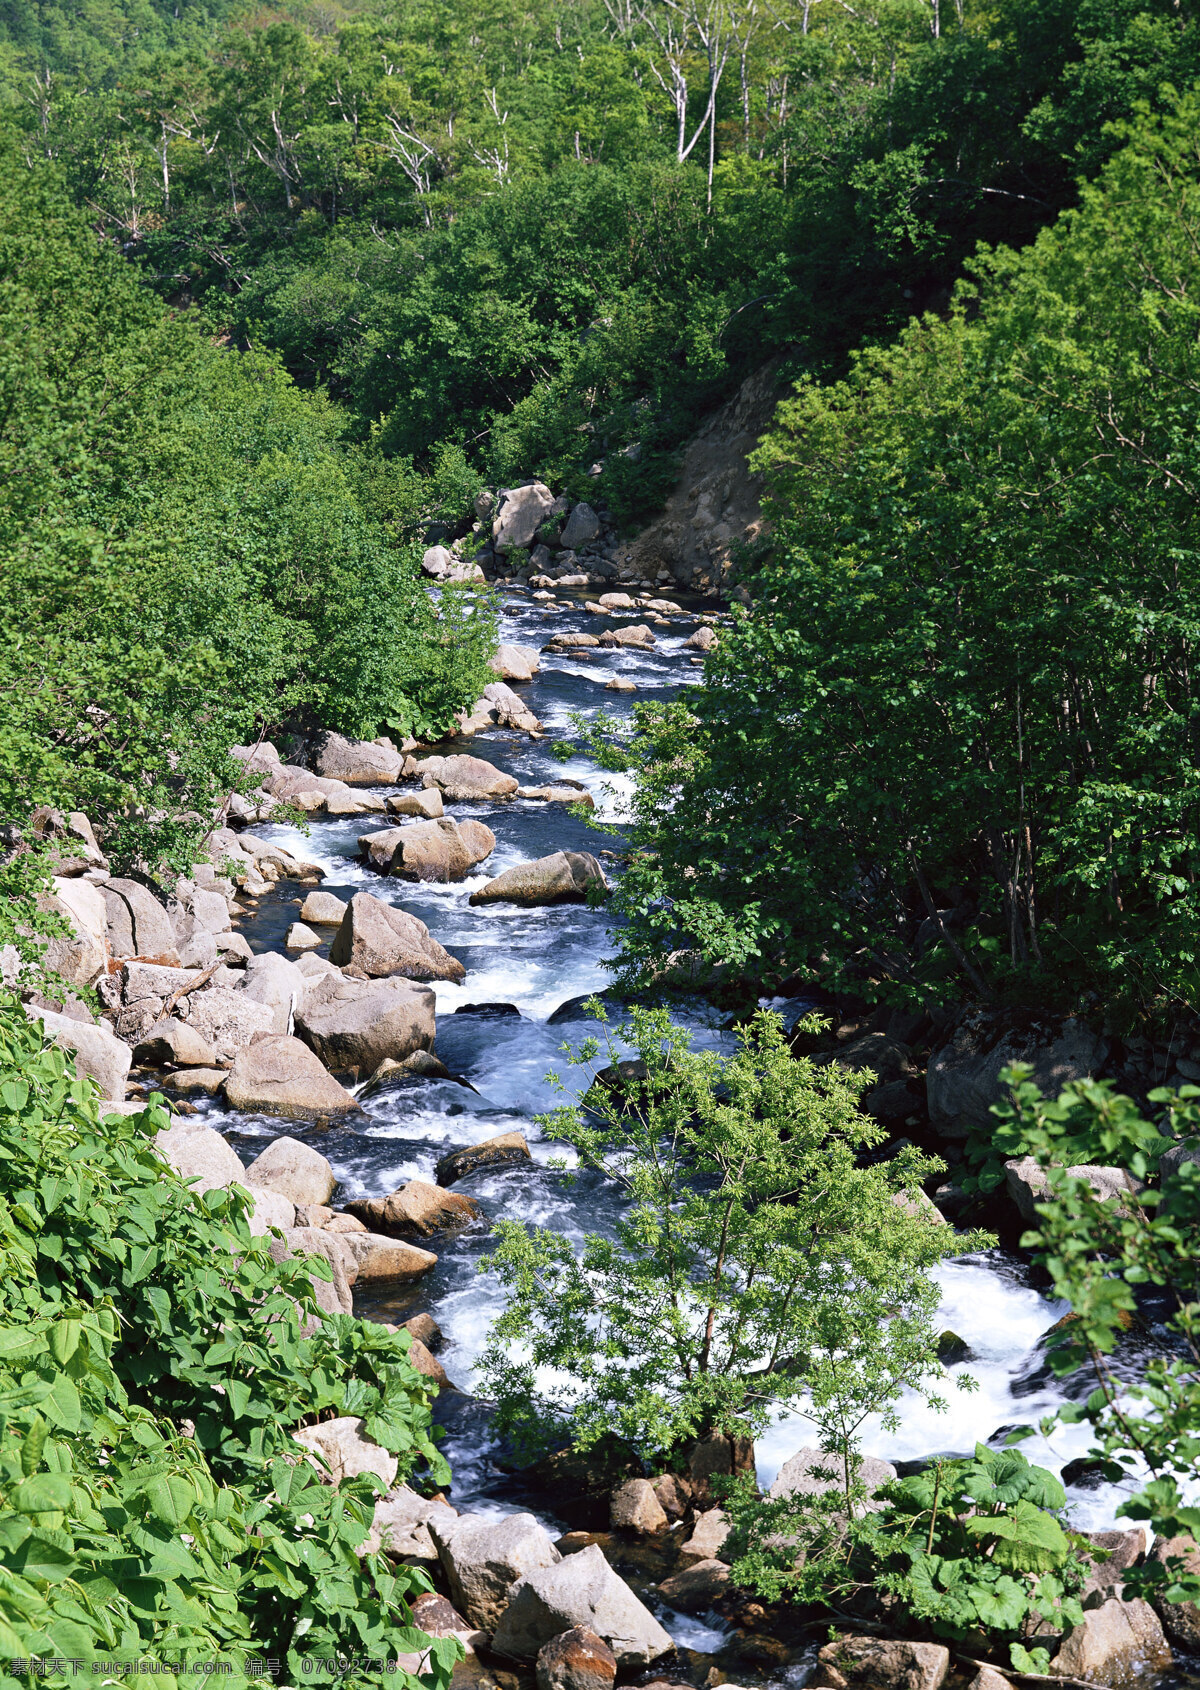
x=154, y=1362
x=951, y=748
x=756, y=1269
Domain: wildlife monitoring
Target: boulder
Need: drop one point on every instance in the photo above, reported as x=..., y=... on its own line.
x=296, y=1170
x=515, y=662
x=381, y=940
x=138, y=925
x=563, y=792
x=174, y=1042
x=357, y=1024
x=802, y=1475
x=564, y=877
x=81, y=957
x=302, y=938
x=620, y=684
x=333, y=1296
x=441, y=563
x=580, y=527
x=1118, y=1642
x=200, y=1156
x=357, y=762
x=704, y=639
x=675, y=1495
x=399, y=1529
x=209, y=912
x=441, y=850
x=280, y=1076
x=425, y=1329
x=272, y=980
x=151, y=980
x=963, y=1078
x=429, y=1365
x=1025, y=1182
x=342, y=1445
x=98, y=1055
x=697, y=1587
x=717, y=1455
x=576, y=1660
x=482, y=1557
x=881, y=1663
x=427, y=803
x=1115, y=1553
x=196, y=1082
x=322, y=909
x=511, y=711
x=637, y=634
x=506, y=1150
x=1180, y=1620
x=465, y=779
x=227, y=1019
x=520, y=512
x=707, y=1539
x=616, y=601
x=271, y=1209
x=582, y=1590
x=635, y=1508
x=387, y=1260
x=988, y=1678
x=417, y=1210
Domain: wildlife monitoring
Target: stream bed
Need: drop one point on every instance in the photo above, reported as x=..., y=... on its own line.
x=536, y=962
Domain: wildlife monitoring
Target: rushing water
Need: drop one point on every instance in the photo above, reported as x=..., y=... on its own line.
x=538, y=960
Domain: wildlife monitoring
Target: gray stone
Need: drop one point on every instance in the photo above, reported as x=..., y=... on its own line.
x=98, y=1055
x=209, y=911
x=582, y=1590
x=881, y=1663
x=200, y=1156
x=356, y=762
x=963, y=1079
x=482, y=1558
x=323, y=909
x=635, y=1508
x=138, y=925
x=564, y=877
x=296, y=1170
x=1118, y=1643
x=799, y=1475
x=581, y=526
x=272, y=980
x=281, y=1076
x=381, y=940
x=707, y=1539
x=1025, y=1182
x=151, y=980
x=520, y=513
x=342, y=1446
x=510, y=709
x=697, y=1587
x=302, y=938
x=227, y=1019
x=82, y=957
x=704, y=639
x=515, y=662
x=426, y=804
x=361, y=1023
x=177, y=1043
x=1180, y=1620
x=417, y=1210
x=465, y=779
x=400, y=1530
x=504, y=1151
x=387, y=1260
x=332, y=1296
x=441, y=850
x=271, y=1209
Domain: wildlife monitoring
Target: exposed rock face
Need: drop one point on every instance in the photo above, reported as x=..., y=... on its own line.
x=426, y=804
x=483, y=1557
x=1119, y=1643
x=520, y=512
x=800, y=1475
x=564, y=877
x=227, y=1019
x=296, y=1170
x=635, y=1508
x=441, y=850
x=200, y=1156
x=442, y=565
x=716, y=501
x=704, y=639
x=381, y=940
x=505, y=1150
x=581, y=527
x=576, y=1660
x=465, y=779
x=417, y=1210
x=583, y=1590
x=346, y=1450
x=963, y=1079
x=302, y=938
x=509, y=709
x=878, y=1663
x=1025, y=1182
x=322, y=909
x=281, y=1076
x=271, y=1209
x=98, y=1055
x=694, y=1589
x=357, y=762
x=717, y=1455
x=360, y=1023
x=138, y=925
x=515, y=662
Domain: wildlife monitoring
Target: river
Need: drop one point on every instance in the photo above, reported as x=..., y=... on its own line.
x=537, y=961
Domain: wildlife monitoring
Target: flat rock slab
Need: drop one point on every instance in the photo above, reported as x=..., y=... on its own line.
x=880, y=1663
x=506, y=1150
x=281, y=1076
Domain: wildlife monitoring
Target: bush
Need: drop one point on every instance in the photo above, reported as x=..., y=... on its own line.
x=153, y=1365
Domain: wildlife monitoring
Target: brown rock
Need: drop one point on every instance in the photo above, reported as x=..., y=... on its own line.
x=441, y=850
x=386, y=1259
x=715, y=1455
x=1180, y=1620
x=427, y=804
x=355, y=1024
x=576, y=1660
x=322, y=909
x=426, y=1328
x=674, y=1494
x=462, y=778
x=635, y=1508
x=428, y=1365
x=878, y=1663
x=417, y=1210
x=1118, y=1643
x=381, y=940
x=505, y=1150
x=637, y=635
x=697, y=1587
x=707, y=1539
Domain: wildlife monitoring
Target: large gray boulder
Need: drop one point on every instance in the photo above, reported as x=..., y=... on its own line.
x=482, y=1557
x=200, y=1156
x=380, y=940
x=82, y=956
x=510, y=709
x=387, y=1260
x=227, y=1018
x=963, y=1079
x=322, y=909
x=441, y=563
x=582, y=1590
x=564, y=877
x=707, y=1538
x=425, y=805
x=520, y=513
x=295, y=1170
x=1025, y=1182
x=335, y=1296
x=272, y=980
x=357, y=762
x=881, y=1663
x=177, y=1043
x=281, y=1076
x=342, y=1446
x=400, y=1527
x=441, y=850
x=465, y=779
x=361, y=1023
x=138, y=924
x=1118, y=1642
x=803, y=1475
x=582, y=526
x=98, y=1055
x=515, y=662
